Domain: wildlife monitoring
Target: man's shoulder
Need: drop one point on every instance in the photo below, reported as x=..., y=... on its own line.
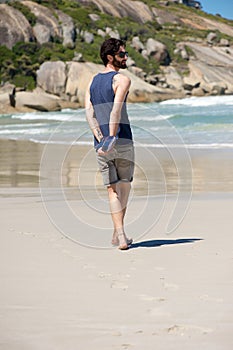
x=122, y=78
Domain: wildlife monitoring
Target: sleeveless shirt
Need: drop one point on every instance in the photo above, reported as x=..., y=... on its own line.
x=102, y=98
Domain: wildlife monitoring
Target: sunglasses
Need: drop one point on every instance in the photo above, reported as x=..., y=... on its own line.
x=122, y=54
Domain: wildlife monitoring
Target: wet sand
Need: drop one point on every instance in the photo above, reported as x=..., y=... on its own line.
x=166, y=171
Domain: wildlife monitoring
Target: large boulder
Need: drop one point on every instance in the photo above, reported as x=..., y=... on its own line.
x=173, y=79
x=47, y=25
x=158, y=51
x=224, y=42
x=218, y=88
x=42, y=33
x=72, y=83
x=14, y=27
x=4, y=98
x=37, y=100
x=87, y=37
x=211, y=66
x=212, y=38
x=78, y=77
x=51, y=77
x=195, y=77
x=181, y=50
x=7, y=99
x=68, y=29
x=137, y=44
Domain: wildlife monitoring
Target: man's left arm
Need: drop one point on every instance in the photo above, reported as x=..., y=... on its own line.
x=121, y=88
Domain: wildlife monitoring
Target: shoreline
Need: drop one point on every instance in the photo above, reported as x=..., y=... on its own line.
x=145, y=98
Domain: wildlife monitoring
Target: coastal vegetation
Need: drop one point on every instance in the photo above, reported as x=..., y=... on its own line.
x=20, y=63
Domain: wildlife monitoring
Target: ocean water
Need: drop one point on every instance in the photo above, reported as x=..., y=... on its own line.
x=196, y=122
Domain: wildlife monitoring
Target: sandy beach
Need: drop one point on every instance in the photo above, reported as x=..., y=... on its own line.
x=64, y=287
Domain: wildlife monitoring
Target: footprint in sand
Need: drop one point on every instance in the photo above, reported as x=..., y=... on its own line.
x=151, y=298
x=159, y=312
x=126, y=346
x=206, y=297
x=119, y=285
x=104, y=275
x=170, y=286
x=188, y=330
x=27, y=233
x=89, y=266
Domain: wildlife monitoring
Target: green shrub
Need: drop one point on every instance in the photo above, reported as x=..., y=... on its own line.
x=30, y=48
x=25, y=11
x=5, y=55
x=19, y=65
x=90, y=52
x=24, y=81
x=150, y=66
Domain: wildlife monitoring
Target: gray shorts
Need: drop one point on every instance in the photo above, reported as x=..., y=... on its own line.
x=118, y=165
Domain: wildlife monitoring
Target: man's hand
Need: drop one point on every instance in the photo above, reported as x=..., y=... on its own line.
x=106, y=145
x=100, y=144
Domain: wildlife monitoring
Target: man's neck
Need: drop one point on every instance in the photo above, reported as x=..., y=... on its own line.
x=110, y=68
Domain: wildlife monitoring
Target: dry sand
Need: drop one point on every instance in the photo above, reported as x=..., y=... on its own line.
x=169, y=291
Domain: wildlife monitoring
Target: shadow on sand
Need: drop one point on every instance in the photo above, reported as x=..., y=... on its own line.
x=159, y=242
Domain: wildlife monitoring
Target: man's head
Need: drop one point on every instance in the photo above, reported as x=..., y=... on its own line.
x=113, y=51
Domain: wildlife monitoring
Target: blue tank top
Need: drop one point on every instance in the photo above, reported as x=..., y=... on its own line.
x=102, y=98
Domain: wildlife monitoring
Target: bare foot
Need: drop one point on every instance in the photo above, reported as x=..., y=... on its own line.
x=123, y=245
x=115, y=240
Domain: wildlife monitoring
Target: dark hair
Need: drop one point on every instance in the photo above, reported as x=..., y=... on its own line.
x=110, y=47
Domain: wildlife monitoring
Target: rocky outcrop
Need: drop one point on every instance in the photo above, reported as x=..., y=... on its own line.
x=51, y=77
x=14, y=27
x=63, y=84
x=210, y=24
x=137, y=44
x=142, y=13
x=37, y=100
x=136, y=10
x=158, y=51
x=173, y=79
x=66, y=85
x=52, y=25
x=47, y=25
x=202, y=66
x=163, y=16
x=68, y=29
x=12, y=101
x=151, y=48
x=212, y=68
x=140, y=91
x=78, y=75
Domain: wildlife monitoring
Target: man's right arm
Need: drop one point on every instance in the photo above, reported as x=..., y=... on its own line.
x=91, y=119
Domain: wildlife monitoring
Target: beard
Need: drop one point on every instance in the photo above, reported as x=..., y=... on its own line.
x=119, y=64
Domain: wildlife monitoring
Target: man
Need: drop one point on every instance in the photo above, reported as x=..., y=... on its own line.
x=107, y=117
